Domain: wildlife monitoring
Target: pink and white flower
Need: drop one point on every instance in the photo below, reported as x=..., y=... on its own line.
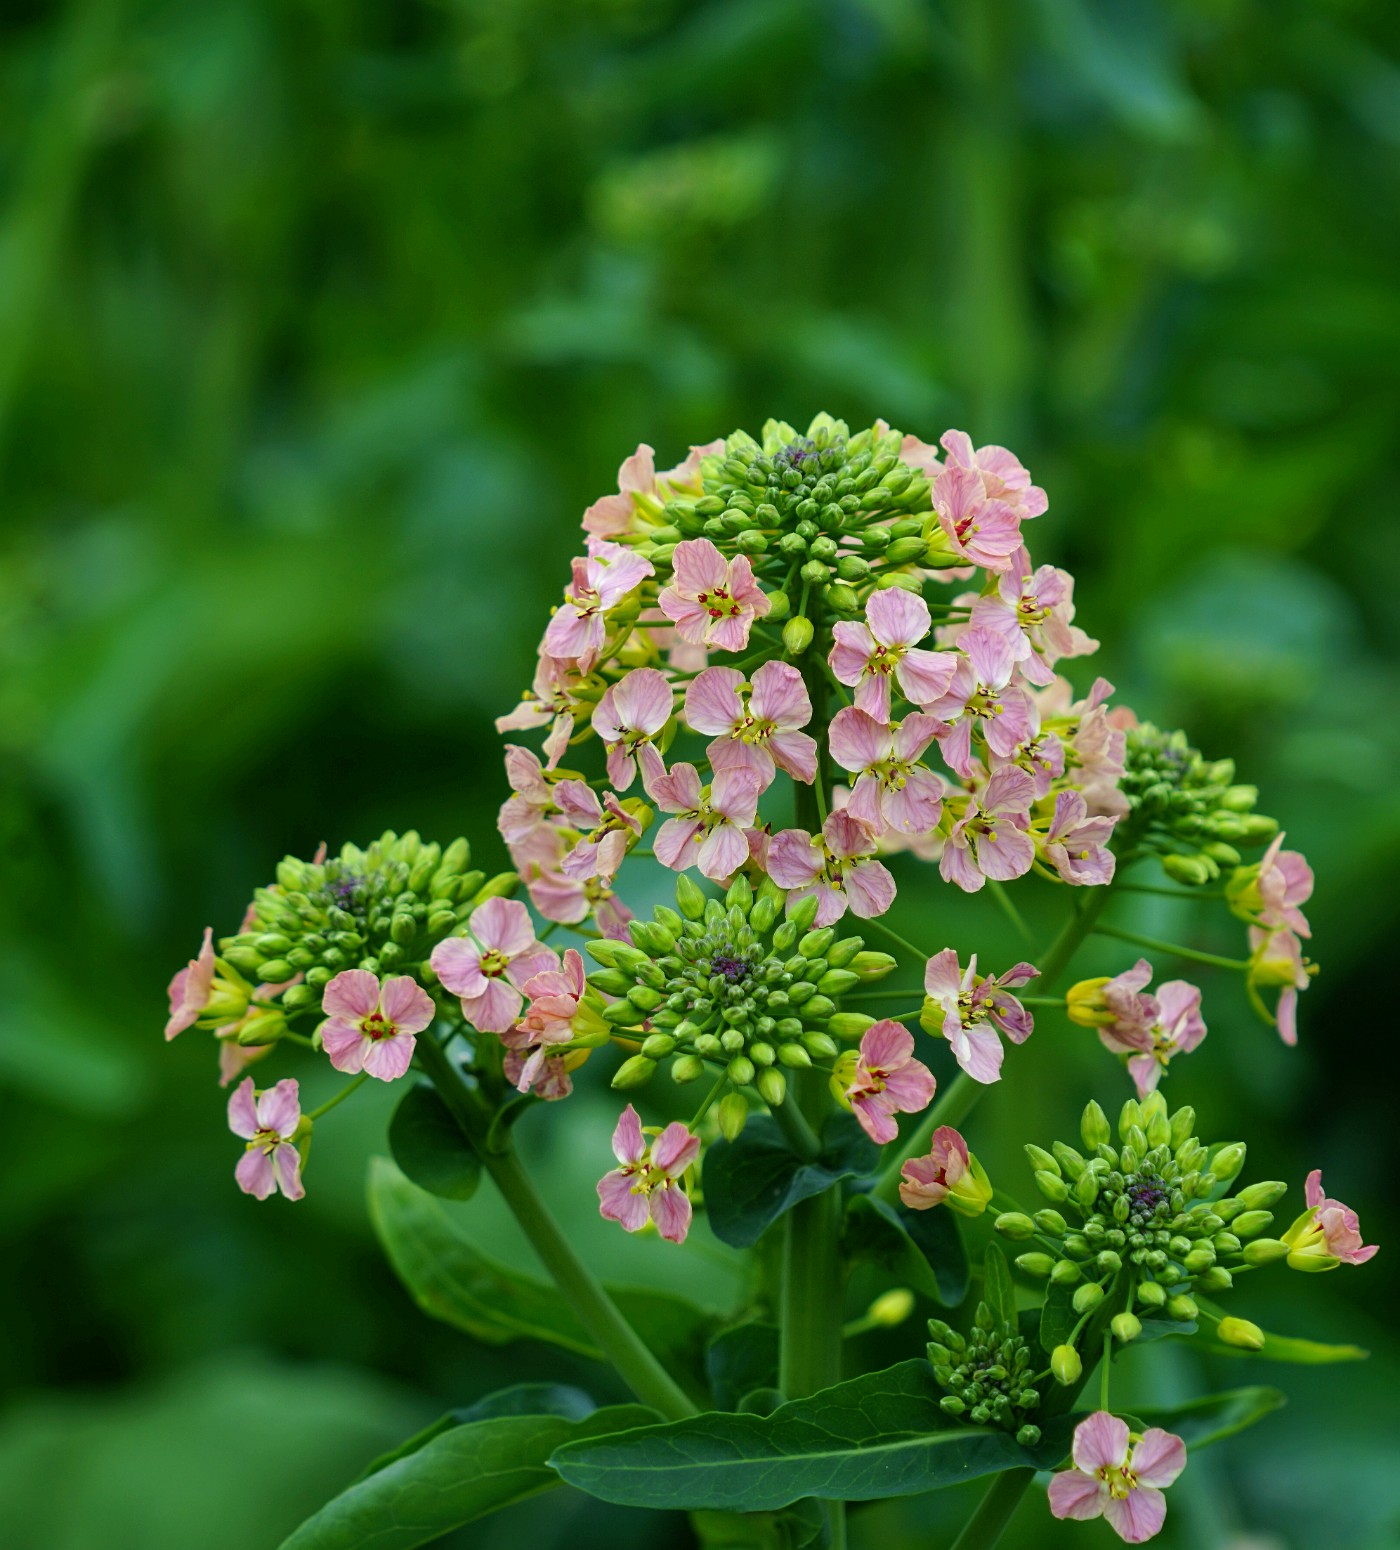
x=1033, y=610
x=968, y=1009
x=1076, y=845
x=1118, y=1476
x=605, y=828
x=601, y=579
x=629, y=718
x=190, y=989
x=533, y=1060
x=373, y=1027
x=892, y=790
x=983, y=532
x=1327, y=1234
x=982, y=694
x=948, y=1173
x=268, y=1122
x=489, y=968
x=1003, y=478
x=641, y=488
x=837, y=865
x=990, y=839
x=708, y=829
x=1285, y=885
x=711, y=602
x=867, y=656
x=888, y=1081
x=646, y=1184
x=1095, y=741
x=758, y=730
x=551, y=702
x=1150, y=1029
x=1276, y=961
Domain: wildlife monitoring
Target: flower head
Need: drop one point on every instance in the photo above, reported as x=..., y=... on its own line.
x=887, y=1080
x=268, y=1122
x=708, y=830
x=1003, y=478
x=866, y=656
x=949, y=1173
x=968, y=1010
x=647, y=1181
x=1149, y=1029
x=712, y=602
x=984, y=532
x=488, y=968
x=629, y=718
x=837, y=865
x=758, y=730
x=1118, y=1476
x=1327, y=1234
x=892, y=790
x=990, y=838
x=1076, y=845
x=372, y=1026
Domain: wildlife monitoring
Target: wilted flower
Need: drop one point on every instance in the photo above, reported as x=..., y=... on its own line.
x=948, y=1173
x=837, y=865
x=1273, y=891
x=1150, y=1030
x=601, y=579
x=552, y=701
x=968, y=1011
x=605, y=828
x=1276, y=961
x=268, y=1122
x=1076, y=845
x=1118, y=1477
x=648, y=1181
x=1003, y=478
x=1327, y=1234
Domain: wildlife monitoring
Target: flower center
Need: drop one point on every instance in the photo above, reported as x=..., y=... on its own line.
x=719, y=604
x=376, y=1026
x=884, y=659
x=1119, y=1479
x=734, y=970
x=494, y=963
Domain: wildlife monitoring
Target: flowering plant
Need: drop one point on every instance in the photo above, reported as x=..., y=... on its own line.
x=800, y=666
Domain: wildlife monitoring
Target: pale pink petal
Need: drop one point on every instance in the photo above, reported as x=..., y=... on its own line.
x=628, y=1143
x=942, y=977
x=243, y=1110
x=796, y=753
x=925, y=676
x=673, y=843
x=643, y=700
x=897, y=617
x=675, y=1149
x=1100, y=1440
x=353, y=994
x=911, y=1087
x=712, y=703
x=406, y=1004
x=875, y=1116
x=917, y=806
x=1137, y=1516
x=505, y=923
x=857, y=740
x=870, y=889
x=344, y=1045
x=287, y=1163
x=671, y=1211
x=388, y=1059
x=1159, y=1458
x=780, y=696
x=735, y=794
x=792, y=860
x=1006, y=853
x=723, y=851
x=255, y=1173
x=698, y=566
x=495, y=1009
x=978, y=1051
x=852, y=649
x=885, y=1045
x=457, y=964
x=280, y=1108
x=618, y=1202
x=1078, y=1496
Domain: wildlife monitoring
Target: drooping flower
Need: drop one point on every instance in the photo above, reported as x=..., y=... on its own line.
x=1118, y=1476
x=712, y=602
x=990, y=838
x=948, y=1173
x=640, y=487
x=531, y=800
x=489, y=969
x=1327, y=1234
x=1034, y=611
x=708, y=830
x=981, y=694
x=539, y=858
x=551, y=702
x=983, y=532
x=373, y=1027
x=837, y=865
x=601, y=579
x=887, y=1080
x=1149, y=1029
x=892, y=790
x=967, y=1009
x=757, y=731
x=190, y=988
x=647, y=1181
x=268, y=1122
x=605, y=827
x=1076, y=845
x=556, y=1015
x=1274, y=890
x=1003, y=478
x=866, y=656
x=629, y=718
x=1276, y=962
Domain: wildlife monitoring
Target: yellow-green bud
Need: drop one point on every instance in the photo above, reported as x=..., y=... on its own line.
x=869, y=966
x=1242, y=1333
x=849, y=1025
x=733, y=1115
x=1183, y=1306
x=1093, y=1126
x=1037, y=1265
x=1249, y=1224
x=891, y=1307
x=1051, y=1186
x=1126, y=1327
x=1087, y=1296
x=797, y=635
x=1260, y=1197
x=1066, y=1365
x=778, y=606
x=772, y=1086
x=634, y=1072
x=1264, y=1251
x=1065, y=1272
x=1228, y=1161
x=1150, y=1295
x=740, y=1071
x=1015, y=1225
x=1085, y=1005
x=685, y=1068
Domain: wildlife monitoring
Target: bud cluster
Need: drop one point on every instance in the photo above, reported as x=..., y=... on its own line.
x=732, y=982
x=1188, y=808
x=1148, y=1209
x=988, y=1375
x=383, y=908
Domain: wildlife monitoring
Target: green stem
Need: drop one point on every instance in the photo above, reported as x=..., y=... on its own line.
x=1154, y=944
x=1008, y=908
x=597, y=1312
x=1172, y=893
x=796, y=1131
x=997, y=1508
x=894, y=936
x=340, y=1097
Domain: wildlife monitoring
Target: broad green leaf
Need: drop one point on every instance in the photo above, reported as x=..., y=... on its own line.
x=1287, y=1348
x=453, y=1280
x=753, y=1180
x=876, y=1436
x=1057, y=1317
x=998, y=1289
x=1162, y=1329
x=1215, y=1416
x=740, y=1360
x=429, y=1147
x=923, y=1249
x=455, y=1477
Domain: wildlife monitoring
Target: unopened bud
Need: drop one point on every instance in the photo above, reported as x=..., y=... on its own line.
x=733, y=1112
x=1126, y=1327
x=1228, y=1161
x=1240, y=1332
x=772, y=1085
x=1037, y=1265
x=1264, y=1251
x=849, y=1025
x=1085, y=1005
x=1087, y=1297
x=685, y=1068
x=1066, y=1365
x=891, y=1307
x=634, y=1072
x=1093, y=1126
x=797, y=635
x=869, y=966
x=689, y=900
x=1249, y=1224
x=1260, y=1197
x=1015, y=1225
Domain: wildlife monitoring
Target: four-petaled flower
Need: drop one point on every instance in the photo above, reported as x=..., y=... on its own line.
x=1273, y=892
x=759, y=731
x=1076, y=844
x=712, y=602
x=968, y=1009
x=601, y=579
x=983, y=532
x=866, y=656
x=647, y=1182
x=1149, y=1029
x=982, y=694
x=268, y=1122
x=605, y=827
x=1118, y=1477
x=1003, y=478
x=629, y=718
x=556, y=1012
x=489, y=969
x=838, y=865
x=372, y=1027
x=948, y=1173
x=990, y=838
x=887, y=1080
x=892, y=790
x=708, y=829
x=1034, y=611
x=1327, y=1234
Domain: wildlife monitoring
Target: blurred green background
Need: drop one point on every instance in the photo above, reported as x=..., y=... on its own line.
x=320, y=323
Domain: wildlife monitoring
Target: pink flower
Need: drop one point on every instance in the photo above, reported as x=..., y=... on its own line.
x=640, y=487
x=892, y=790
x=268, y=1122
x=1095, y=742
x=532, y=1059
x=981, y=694
x=1003, y=477
x=1284, y=884
x=949, y=1172
x=973, y=1008
x=531, y=801
x=647, y=1182
x=757, y=731
x=487, y=970
x=1150, y=1030
x=1076, y=844
x=629, y=717
x=984, y=532
x=990, y=838
x=712, y=603
x=1276, y=961
x=601, y=579
x=711, y=819
x=190, y=989
x=1034, y=612
x=604, y=826
x=539, y=858
x=1117, y=1478
x=888, y=1081
x=552, y=702
x=837, y=865
x=868, y=655
x=370, y=1027
x=1327, y=1234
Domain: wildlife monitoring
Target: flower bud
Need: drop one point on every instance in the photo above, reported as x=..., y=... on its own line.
x=772, y=1085
x=733, y=1110
x=1183, y=1307
x=1087, y=1297
x=1241, y=1332
x=794, y=1055
x=1228, y=1161
x=1065, y=1272
x=1193, y=871
x=1264, y=1251
x=891, y=1307
x=1037, y=1265
x=1260, y=1197
x=741, y=1071
x=803, y=913
x=1085, y=1005
x=836, y=982
x=1066, y=1365
x=685, y=1068
x=1250, y=1224
x=849, y=1025
x=634, y=1072
x=1086, y=1190
x=689, y=901
x=1052, y=1186
x=1216, y=1279
x=1150, y=1295
x=657, y=1046
x=1093, y=1126
x=903, y=550
x=1126, y=1327
x=1015, y=1225
x=797, y=635
x=871, y=966
x=1041, y=1160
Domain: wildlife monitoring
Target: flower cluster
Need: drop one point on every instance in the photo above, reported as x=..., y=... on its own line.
x=989, y=1375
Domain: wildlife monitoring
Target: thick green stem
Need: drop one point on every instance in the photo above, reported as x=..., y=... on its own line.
x=1156, y=945
x=998, y=1507
x=597, y=1312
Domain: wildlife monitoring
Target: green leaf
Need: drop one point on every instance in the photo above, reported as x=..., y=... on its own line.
x=998, y=1289
x=451, y=1279
x=1057, y=1317
x=923, y=1249
x=1162, y=1329
x=876, y=1436
x=1286, y=1348
x=429, y=1147
x=753, y=1180
x=455, y=1477
x=1214, y=1417
x=740, y=1360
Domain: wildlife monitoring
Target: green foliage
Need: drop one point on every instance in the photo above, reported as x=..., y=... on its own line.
x=920, y=1249
x=429, y=1147
x=1214, y=1417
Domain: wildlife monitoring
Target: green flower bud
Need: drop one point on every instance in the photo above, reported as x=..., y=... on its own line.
x=836, y=982
x=741, y=1071
x=1037, y=1265
x=1260, y=1197
x=685, y=1068
x=1263, y=1251
x=1240, y=1332
x=1093, y=1127
x=871, y=966
x=1193, y=871
x=1249, y=1224
x=821, y=1045
x=1051, y=1222
x=950, y=1404
x=794, y=1055
x=501, y=886
x=621, y=1014
x=1086, y=1190
x=1041, y=1160
x=733, y=1111
x=1015, y=1225
x=1087, y=1296
x=1228, y=1161
x=797, y=635
x=849, y=1025
x=1125, y=1327
x=903, y=550
x=772, y=1086
x=636, y=1071
x=1066, y=1365
x=645, y=999
x=1052, y=1186
x=275, y=970
x=689, y=901
x=1065, y=1272
x=762, y=1053
x=1216, y=1279
x=803, y=913
x=1183, y=1307
x=1150, y=1295
x=1028, y=1436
